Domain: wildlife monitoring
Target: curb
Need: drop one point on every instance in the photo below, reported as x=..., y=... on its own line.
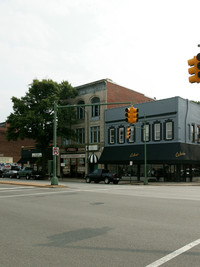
x=34, y=184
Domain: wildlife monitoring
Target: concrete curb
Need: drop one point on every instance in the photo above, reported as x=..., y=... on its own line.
x=33, y=184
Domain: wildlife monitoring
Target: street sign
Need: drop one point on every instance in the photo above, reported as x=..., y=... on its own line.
x=55, y=151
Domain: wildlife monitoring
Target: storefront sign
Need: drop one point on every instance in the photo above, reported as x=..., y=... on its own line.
x=179, y=154
x=92, y=148
x=71, y=149
x=36, y=155
x=72, y=156
x=132, y=155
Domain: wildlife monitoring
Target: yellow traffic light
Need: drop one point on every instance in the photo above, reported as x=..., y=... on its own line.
x=128, y=133
x=131, y=114
x=195, y=69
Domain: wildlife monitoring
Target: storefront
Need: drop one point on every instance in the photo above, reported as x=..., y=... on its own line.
x=171, y=162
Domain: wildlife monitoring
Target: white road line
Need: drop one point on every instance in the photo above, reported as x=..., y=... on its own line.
x=174, y=254
x=56, y=192
x=15, y=188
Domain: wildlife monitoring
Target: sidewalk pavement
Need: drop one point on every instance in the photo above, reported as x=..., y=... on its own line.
x=62, y=183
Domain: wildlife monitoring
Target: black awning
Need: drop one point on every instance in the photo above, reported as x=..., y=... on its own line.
x=169, y=153
x=25, y=160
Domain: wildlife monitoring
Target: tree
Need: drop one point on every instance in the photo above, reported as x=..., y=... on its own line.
x=34, y=113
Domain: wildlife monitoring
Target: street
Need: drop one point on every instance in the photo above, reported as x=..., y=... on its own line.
x=99, y=225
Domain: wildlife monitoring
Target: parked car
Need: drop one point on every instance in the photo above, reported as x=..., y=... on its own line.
x=29, y=173
x=102, y=175
x=10, y=173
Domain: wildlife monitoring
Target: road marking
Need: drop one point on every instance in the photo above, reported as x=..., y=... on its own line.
x=174, y=254
x=56, y=192
x=15, y=188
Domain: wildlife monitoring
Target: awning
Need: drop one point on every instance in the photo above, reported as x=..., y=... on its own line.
x=93, y=159
x=169, y=153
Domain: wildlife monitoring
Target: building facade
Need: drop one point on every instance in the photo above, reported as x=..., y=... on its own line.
x=10, y=151
x=82, y=155
x=170, y=130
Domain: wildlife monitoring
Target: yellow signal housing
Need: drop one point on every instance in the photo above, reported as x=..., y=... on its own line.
x=128, y=133
x=131, y=114
x=194, y=63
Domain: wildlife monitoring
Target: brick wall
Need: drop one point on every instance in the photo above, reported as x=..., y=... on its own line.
x=12, y=148
x=117, y=93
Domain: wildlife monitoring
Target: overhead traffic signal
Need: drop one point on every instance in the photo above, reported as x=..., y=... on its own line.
x=128, y=133
x=131, y=115
x=195, y=69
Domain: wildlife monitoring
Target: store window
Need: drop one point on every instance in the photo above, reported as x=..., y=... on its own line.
x=121, y=136
x=198, y=133
x=81, y=110
x=132, y=134
x=80, y=132
x=66, y=142
x=193, y=133
x=111, y=135
x=95, y=134
x=146, y=132
x=95, y=110
x=169, y=130
x=157, y=131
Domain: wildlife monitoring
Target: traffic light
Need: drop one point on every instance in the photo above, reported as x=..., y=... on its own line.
x=131, y=115
x=128, y=133
x=195, y=69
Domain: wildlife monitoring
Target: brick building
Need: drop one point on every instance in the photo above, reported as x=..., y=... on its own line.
x=82, y=156
x=10, y=151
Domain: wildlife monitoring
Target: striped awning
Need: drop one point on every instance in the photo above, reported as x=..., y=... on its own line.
x=93, y=159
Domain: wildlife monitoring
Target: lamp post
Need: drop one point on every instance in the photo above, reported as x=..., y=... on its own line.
x=88, y=132
x=54, y=180
x=145, y=155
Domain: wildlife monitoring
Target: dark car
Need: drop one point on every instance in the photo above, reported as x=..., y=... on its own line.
x=102, y=175
x=29, y=173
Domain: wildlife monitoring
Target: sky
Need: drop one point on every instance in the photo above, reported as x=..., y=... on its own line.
x=142, y=45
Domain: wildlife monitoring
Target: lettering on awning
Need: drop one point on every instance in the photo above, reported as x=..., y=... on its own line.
x=133, y=155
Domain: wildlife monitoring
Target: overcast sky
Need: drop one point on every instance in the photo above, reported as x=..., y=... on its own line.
x=143, y=45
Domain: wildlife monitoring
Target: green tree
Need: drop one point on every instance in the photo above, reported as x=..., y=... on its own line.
x=34, y=113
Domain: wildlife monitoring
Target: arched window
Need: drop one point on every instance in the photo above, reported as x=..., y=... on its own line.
x=95, y=110
x=81, y=110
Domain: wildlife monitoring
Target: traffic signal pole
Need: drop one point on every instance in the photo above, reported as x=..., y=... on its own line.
x=54, y=180
x=145, y=154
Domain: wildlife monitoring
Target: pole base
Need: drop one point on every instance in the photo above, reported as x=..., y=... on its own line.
x=54, y=181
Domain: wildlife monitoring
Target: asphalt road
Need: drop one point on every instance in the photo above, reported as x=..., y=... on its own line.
x=99, y=225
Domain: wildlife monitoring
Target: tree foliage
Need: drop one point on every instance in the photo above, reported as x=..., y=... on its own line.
x=34, y=113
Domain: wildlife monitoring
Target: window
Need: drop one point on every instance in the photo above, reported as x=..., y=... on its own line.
x=81, y=110
x=95, y=110
x=198, y=133
x=112, y=135
x=169, y=130
x=95, y=134
x=146, y=132
x=121, y=135
x=157, y=131
x=193, y=133
x=132, y=134
x=66, y=142
x=80, y=132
